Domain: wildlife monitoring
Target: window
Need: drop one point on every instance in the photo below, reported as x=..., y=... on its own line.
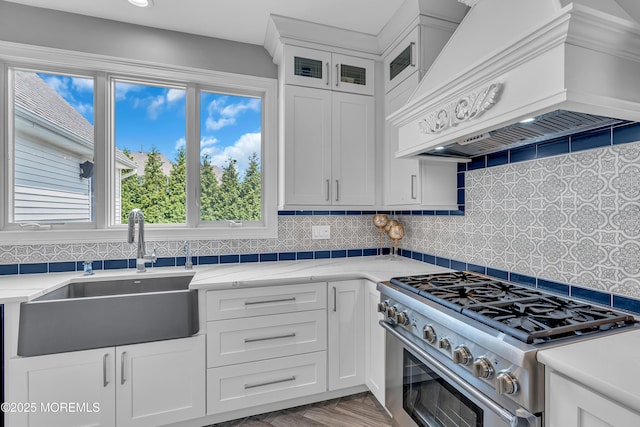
x=52, y=148
x=195, y=151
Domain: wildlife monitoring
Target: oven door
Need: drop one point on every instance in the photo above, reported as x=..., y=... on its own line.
x=421, y=391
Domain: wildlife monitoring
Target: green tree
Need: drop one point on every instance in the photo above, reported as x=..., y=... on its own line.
x=208, y=190
x=175, y=210
x=153, y=197
x=251, y=191
x=227, y=201
x=129, y=191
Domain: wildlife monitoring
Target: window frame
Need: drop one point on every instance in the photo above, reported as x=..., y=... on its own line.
x=106, y=70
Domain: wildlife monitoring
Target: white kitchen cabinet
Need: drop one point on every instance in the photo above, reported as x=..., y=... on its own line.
x=402, y=179
x=160, y=382
x=570, y=404
x=346, y=334
x=329, y=148
x=139, y=385
x=326, y=70
x=374, y=345
x=403, y=60
x=45, y=382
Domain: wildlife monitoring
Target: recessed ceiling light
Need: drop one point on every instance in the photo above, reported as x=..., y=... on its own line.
x=439, y=148
x=528, y=120
x=141, y=3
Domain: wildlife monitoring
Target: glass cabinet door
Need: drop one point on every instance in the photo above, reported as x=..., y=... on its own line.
x=352, y=74
x=307, y=67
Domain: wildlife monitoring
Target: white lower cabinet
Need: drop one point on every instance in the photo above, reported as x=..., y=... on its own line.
x=46, y=382
x=140, y=385
x=570, y=404
x=256, y=383
x=374, y=337
x=160, y=382
x=346, y=333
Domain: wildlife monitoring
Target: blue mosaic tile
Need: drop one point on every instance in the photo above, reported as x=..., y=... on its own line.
x=558, y=288
x=477, y=163
x=590, y=140
x=497, y=159
x=339, y=254
x=624, y=303
x=305, y=255
x=429, y=212
x=457, y=213
x=523, y=154
x=460, y=196
x=8, y=269
x=625, y=134
x=354, y=252
x=208, y=259
x=523, y=279
x=460, y=180
x=319, y=213
x=553, y=148
x=34, y=268
x=270, y=257
x=165, y=262
x=462, y=167
x=287, y=256
x=370, y=252
x=59, y=267
x=428, y=258
x=477, y=268
x=500, y=274
x=244, y=258
x=229, y=259
x=354, y=213
x=304, y=213
x=458, y=265
x=116, y=264
x=443, y=262
x=338, y=212
x=286, y=213
x=416, y=213
x=321, y=254
x=442, y=213
x=591, y=295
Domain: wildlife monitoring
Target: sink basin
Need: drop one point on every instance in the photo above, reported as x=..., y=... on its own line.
x=106, y=313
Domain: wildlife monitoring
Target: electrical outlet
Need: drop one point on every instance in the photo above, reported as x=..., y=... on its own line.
x=320, y=232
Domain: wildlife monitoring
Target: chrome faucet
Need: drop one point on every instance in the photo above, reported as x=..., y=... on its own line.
x=136, y=216
x=188, y=262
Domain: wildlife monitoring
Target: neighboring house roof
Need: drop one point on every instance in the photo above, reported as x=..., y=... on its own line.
x=35, y=96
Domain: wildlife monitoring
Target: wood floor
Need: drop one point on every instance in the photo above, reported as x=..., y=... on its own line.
x=358, y=410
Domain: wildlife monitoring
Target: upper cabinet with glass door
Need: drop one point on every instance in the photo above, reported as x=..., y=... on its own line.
x=402, y=61
x=326, y=70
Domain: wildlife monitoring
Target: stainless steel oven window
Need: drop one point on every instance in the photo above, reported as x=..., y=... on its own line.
x=432, y=402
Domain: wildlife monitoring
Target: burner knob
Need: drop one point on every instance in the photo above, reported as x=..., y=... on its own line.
x=506, y=383
x=403, y=318
x=382, y=307
x=444, y=344
x=482, y=368
x=429, y=334
x=462, y=355
x=392, y=311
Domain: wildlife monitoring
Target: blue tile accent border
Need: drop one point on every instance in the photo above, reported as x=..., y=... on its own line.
x=586, y=294
x=590, y=295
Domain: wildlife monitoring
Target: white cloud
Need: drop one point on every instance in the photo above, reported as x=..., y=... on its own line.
x=123, y=89
x=82, y=84
x=244, y=147
x=221, y=115
x=154, y=107
x=180, y=143
x=174, y=95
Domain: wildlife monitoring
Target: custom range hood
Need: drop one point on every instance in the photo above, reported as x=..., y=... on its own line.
x=563, y=67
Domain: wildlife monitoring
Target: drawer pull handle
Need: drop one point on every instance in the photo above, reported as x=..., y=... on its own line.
x=270, y=301
x=105, y=380
x=277, y=337
x=284, y=380
x=123, y=379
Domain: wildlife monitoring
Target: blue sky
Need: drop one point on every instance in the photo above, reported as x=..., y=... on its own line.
x=150, y=116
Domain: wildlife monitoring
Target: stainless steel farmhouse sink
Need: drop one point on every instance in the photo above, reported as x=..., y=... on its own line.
x=105, y=313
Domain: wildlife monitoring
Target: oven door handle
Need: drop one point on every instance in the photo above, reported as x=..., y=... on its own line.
x=522, y=417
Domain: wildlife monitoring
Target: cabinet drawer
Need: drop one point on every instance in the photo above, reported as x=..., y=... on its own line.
x=235, y=303
x=257, y=383
x=265, y=337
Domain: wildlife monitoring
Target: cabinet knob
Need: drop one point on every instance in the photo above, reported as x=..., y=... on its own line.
x=403, y=318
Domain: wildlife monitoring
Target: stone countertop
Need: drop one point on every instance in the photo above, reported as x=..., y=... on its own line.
x=608, y=365
x=20, y=288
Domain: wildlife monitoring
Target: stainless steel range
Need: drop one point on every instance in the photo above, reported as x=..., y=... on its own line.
x=461, y=347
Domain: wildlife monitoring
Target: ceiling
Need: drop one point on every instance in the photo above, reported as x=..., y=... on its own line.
x=239, y=20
